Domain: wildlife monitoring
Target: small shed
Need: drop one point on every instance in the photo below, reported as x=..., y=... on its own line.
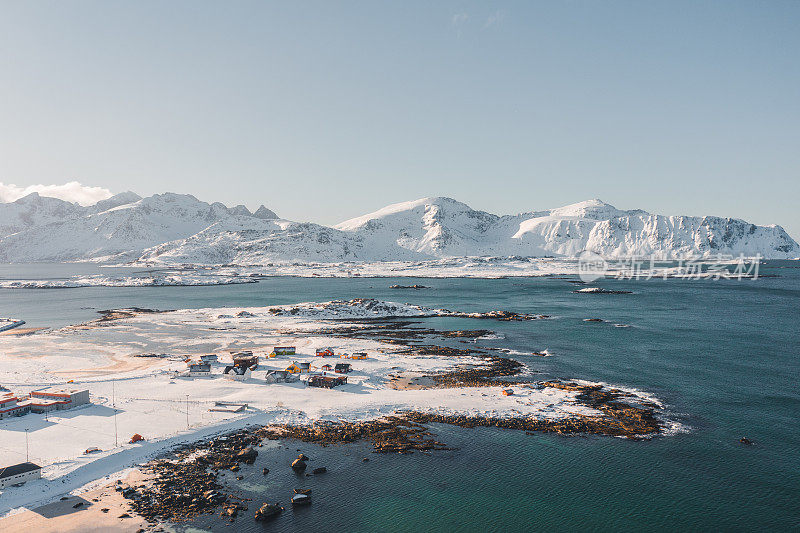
x=326, y=368
x=507, y=392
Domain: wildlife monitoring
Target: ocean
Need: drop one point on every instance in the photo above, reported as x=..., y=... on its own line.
x=722, y=356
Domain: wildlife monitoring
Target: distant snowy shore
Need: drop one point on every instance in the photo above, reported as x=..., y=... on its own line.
x=162, y=275
x=124, y=281
x=463, y=267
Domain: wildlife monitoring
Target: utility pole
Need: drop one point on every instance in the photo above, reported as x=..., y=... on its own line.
x=187, y=411
x=114, y=405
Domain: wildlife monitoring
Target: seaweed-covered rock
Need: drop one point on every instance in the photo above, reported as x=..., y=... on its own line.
x=267, y=511
x=247, y=455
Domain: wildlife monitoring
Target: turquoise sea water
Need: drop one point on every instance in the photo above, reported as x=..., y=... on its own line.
x=722, y=355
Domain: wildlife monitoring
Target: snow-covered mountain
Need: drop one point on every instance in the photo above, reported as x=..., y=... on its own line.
x=34, y=210
x=443, y=227
x=119, y=228
x=251, y=241
x=174, y=228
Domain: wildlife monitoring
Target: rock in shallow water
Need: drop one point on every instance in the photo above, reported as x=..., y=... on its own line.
x=267, y=511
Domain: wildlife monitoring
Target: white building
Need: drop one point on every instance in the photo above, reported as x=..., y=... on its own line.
x=56, y=398
x=12, y=475
x=199, y=369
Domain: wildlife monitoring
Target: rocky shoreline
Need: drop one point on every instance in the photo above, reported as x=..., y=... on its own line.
x=109, y=316
x=185, y=484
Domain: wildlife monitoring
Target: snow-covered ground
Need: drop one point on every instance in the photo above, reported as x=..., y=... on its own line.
x=142, y=395
x=165, y=280
x=481, y=267
x=457, y=267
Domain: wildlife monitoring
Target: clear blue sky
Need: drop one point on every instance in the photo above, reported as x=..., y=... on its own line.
x=326, y=110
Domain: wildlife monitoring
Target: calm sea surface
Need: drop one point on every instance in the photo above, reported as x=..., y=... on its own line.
x=722, y=355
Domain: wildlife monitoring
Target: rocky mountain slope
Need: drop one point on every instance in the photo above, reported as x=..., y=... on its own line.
x=174, y=228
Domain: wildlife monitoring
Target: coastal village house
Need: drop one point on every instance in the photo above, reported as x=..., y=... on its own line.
x=54, y=398
x=299, y=367
x=279, y=376
x=199, y=369
x=17, y=474
x=343, y=368
x=245, y=359
x=284, y=350
x=210, y=358
x=237, y=373
x=326, y=382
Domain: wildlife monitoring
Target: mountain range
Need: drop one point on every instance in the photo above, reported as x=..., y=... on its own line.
x=178, y=228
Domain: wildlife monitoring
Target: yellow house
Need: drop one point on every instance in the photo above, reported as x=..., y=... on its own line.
x=299, y=368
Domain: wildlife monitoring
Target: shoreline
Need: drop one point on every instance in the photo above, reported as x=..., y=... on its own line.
x=193, y=469
x=585, y=408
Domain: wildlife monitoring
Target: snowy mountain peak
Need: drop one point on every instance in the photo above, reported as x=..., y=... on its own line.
x=413, y=208
x=35, y=198
x=117, y=200
x=264, y=213
x=34, y=210
x=594, y=209
x=240, y=210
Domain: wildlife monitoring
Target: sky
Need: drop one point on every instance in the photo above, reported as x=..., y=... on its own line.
x=327, y=110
